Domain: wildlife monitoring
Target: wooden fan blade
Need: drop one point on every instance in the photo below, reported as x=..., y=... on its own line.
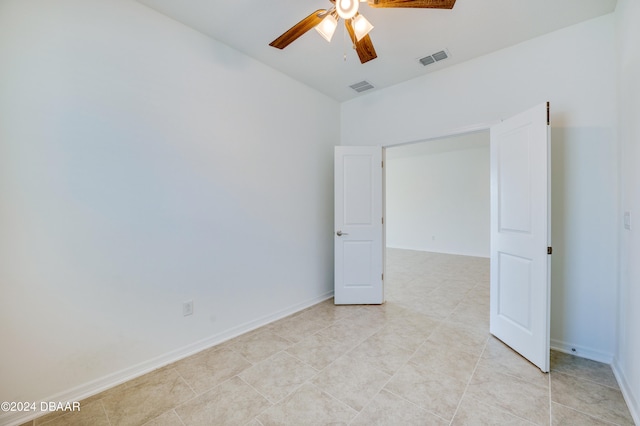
x=423, y=4
x=298, y=29
x=364, y=47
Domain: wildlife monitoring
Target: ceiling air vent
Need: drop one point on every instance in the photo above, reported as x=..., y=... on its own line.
x=427, y=60
x=361, y=86
x=431, y=59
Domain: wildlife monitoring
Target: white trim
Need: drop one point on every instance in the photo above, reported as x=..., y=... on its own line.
x=627, y=392
x=581, y=351
x=94, y=387
x=439, y=251
x=480, y=127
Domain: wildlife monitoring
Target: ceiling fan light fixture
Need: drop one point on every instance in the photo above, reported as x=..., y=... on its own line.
x=327, y=26
x=347, y=9
x=361, y=26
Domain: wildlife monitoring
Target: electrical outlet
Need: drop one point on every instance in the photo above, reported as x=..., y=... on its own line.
x=627, y=220
x=187, y=308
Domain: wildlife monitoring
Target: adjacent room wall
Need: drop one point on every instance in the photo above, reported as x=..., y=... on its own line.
x=437, y=195
x=627, y=362
x=558, y=67
x=143, y=164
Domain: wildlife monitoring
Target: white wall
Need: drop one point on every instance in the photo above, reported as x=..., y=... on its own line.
x=561, y=68
x=143, y=164
x=437, y=195
x=627, y=362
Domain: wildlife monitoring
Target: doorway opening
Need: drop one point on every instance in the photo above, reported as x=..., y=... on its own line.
x=437, y=226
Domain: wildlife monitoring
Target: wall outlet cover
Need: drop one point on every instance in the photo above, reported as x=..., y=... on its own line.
x=187, y=308
x=627, y=220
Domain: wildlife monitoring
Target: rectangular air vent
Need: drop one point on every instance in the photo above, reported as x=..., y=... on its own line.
x=427, y=60
x=361, y=86
x=433, y=58
x=438, y=56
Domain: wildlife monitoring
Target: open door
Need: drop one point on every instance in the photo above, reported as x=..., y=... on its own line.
x=520, y=237
x=358, y=233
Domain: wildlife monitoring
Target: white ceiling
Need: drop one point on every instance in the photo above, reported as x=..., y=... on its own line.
x=401, y=36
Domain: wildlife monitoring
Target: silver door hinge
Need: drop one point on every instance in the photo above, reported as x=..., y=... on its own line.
x=549, y=250
x=382, y=276
x=383, y=220
x=382, y=164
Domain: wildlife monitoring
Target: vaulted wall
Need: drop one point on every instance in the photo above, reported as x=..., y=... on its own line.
x=143, y=164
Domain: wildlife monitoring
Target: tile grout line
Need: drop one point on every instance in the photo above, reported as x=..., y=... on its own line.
x=260, y=393
x=188, y=384
x=104, y=410
x=484, y=403
x=475, y=368
x=577, y=377
x=178, y=416
x=413, y=403
x=588, y=415
x=175, y=406
x=196, y=395
x=255, y=419
x=308, y=381
x=383, y=388
x=337, y=400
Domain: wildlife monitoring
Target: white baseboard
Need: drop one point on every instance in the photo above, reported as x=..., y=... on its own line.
x=107, y=382
x=581, y=351
x=633, y=403
x=484, y=256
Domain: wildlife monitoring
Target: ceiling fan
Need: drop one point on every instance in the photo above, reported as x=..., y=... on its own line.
x=325, y=22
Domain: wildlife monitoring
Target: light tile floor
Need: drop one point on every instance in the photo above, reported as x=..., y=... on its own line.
x=423, y=358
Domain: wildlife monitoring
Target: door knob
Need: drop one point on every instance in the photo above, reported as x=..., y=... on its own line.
x=340, y=233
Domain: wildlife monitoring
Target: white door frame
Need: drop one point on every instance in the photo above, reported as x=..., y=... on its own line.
x=447, y=134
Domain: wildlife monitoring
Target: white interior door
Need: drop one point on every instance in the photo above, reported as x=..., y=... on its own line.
x=358, y=233
x=520, y=234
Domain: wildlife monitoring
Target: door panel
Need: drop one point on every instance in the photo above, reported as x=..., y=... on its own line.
x=514, y=182
x=359, y=256
x=516, y=271
x=358, y=186
x=358, y=230
x=520, y=234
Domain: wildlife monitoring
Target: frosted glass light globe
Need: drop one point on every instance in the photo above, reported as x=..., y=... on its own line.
x=347, y=9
